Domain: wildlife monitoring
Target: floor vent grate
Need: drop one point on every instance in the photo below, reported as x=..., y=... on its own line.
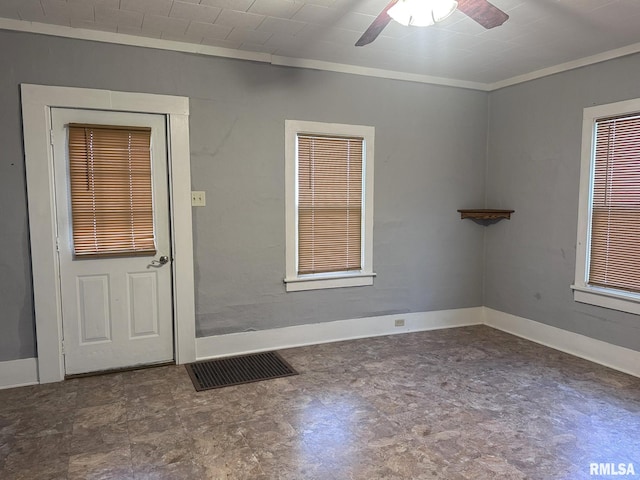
x=225, y=372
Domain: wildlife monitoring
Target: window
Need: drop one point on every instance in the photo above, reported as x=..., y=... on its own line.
x=111, y=197
x=608, y=253
x=329, y=205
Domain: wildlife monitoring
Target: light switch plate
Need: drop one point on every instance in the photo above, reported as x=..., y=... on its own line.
x=198, y=199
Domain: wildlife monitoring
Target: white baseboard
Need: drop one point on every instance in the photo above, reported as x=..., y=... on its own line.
x=300, y=335
x=18, y=373
x=597, y=351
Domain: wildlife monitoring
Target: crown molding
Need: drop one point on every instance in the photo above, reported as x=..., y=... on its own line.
x=564, y=67
x=375, y=72
x=132, y=40
x=161, y=44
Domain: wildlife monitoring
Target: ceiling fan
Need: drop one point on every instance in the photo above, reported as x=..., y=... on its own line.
x=483, y=12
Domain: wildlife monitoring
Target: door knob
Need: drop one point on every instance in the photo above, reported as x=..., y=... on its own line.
x=163, y=260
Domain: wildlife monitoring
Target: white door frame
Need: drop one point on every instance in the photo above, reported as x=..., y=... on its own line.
x=37, y=101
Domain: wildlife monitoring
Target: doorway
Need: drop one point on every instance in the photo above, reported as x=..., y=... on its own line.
x=37, y=104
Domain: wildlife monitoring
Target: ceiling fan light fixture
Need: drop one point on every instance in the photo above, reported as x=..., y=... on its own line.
x=421, y=13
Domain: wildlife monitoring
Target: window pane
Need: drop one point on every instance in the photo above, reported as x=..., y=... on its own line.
x=329, y=204
x=111, y=190
x=615, y=222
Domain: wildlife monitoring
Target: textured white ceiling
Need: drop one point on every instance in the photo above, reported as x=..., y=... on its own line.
x=538, y=35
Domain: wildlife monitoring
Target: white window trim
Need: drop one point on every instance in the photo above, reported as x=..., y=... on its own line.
x=582, y=291
x=293, y=281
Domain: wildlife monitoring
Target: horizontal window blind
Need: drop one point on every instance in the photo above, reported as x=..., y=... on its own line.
x=111, y=190
x=615, y=222
x=329, y=204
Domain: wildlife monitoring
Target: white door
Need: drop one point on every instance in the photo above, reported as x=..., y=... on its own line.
x=117, y=311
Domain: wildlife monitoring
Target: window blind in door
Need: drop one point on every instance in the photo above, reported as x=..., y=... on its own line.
x=111, y=190
x=329, y=204
x=615, y=221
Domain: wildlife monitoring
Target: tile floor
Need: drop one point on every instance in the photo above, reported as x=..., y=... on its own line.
x=464, y=403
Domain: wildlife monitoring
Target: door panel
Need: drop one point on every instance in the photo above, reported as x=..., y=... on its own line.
x=94, y=318
x=117, y=311
x=143, y=303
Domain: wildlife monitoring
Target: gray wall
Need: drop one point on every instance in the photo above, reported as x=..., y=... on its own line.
x=534, y=168
x=430, y=161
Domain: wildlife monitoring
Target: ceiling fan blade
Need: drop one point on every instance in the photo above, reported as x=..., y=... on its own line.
x=381, y=21
x=483, y=12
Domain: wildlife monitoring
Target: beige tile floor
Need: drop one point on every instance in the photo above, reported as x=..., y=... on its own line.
x=465, y=403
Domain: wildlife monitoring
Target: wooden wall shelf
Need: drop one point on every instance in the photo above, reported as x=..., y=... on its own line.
x=485, y=216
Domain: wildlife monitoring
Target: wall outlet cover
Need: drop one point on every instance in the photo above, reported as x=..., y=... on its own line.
x=198, y=199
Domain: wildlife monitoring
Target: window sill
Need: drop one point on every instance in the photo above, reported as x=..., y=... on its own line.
x=607, y=298
x=317, y=282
